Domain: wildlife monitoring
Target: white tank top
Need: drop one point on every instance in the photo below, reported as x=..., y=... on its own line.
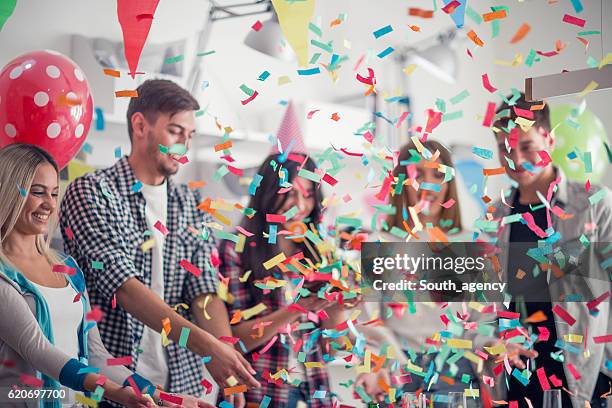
x=66, y=317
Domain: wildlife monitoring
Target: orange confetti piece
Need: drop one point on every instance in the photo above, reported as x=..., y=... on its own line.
x=474, y=37
x=223, y=146
x=236, y=317
x=520, y=33
x=494, y=172
x=537, y=107
x=69, y=101
x=418, y=12
x=537, y=317
x=196, y=184
x=235, y=390
x=415, y=28
x=335, y=116
x=127, y=93
x=494, y=15
x=112, y=72
x=335, y=23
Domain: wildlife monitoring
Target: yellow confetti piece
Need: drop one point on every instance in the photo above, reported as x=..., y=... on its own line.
x=471, y=392
x=183, y=305
x=282, y=80
x=496, y=350
x=239, y=247
x=246, y=275
x=222, y=292
x=476, y=306
x=605, y=61
x=589, y=88
x=164, y=338
x=472, y=357
x=459, y=343
x=572, y=338
x=221, y=205
x=204, y=304
x=525, y=124
x=409, y=69
x=367, y=363
x=147, y=245
x=80, y=398
x=313, y=364
x=254, y=311
x=272, y=262
x=231, y=381
x=414, y=367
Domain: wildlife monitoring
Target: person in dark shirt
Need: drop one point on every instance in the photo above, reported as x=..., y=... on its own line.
x=525, y=143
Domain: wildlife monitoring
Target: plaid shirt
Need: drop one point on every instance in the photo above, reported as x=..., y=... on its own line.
x=103, y=220
x=277, y=357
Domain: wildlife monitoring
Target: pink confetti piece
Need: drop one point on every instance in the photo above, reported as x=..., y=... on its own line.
x=119, y=361
x=161, y=228
x=573, y=20
x=542, y=378
x=207, y=385
x=244, y=231
x=268, y=345
x=132, y=383
x=555, y=381
x=329, y=180
x=173, y=399
x=489, y=115
x=311, y=113
x=487, y=84
x=368, y=136
x=31, y=380
x=595, y=302
x=448, y=204
x=68, y=270
x=191, y=268
x=250, y=98
x=101, y=380
x=523, y=113
x=69, y=233
x=95, y=314
x=602, y=339
x=587, y=185
x=257, y=25
x=276, y=218
x=235, y=171
x=574, y=371
x=528, y=217
x=544, y=333
x=402, y=117
x=564, y=315
x=433, y=120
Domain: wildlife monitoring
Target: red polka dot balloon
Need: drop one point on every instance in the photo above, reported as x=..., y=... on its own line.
x=45, y=100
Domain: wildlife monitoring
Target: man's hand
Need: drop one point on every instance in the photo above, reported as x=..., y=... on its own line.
x=189, y=401
x=515, y=352
x=371, y=383
x=227, y=362
x=314, y=304
x=126, y=396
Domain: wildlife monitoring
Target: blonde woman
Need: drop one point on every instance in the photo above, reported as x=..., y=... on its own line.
x=47, y=329
x=421, y=211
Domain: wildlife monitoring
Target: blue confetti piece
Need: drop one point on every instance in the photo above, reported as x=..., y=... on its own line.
x=382, y=31
x=263, y=76
x=272, y=234
x=255, y=184
x=431, y=187
x=205, y=85
x=22, y=191
x=118, y=153
x=484, y=153
x=206, y=359
x=137, y=186
x=265, y=401
x=86, y=370
x=517, y=374
x=99, y=119
x=385, y=52
x=319, y=394
x=311, y=71
x=87, y=148
x=225, y=404
x=577, y=6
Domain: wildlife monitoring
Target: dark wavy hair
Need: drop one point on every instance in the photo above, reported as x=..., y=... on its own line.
x=257, y=249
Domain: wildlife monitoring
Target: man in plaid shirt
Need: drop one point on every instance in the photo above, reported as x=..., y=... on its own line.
x=132, y=231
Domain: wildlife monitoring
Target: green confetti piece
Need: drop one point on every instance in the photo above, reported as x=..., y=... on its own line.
x=98, y=394
x=452, y=116
x=205, y=53
x=174, y=60
x=228, y=236
x=591, y=32
x=598, y=196
x=529, y=60
x=163, y=149
x=315, y=58
x=592, y=62
x=247, y=90
x=585, y=241
x=494, y=28
x=315, y=29
x=588, y=164
x=313, y=237
x=473, y=15
x=441, y=105
x=609, y=151
x=351, y=221
x=221, y=172
x=184, y=336
x=325, y=47
x=178, y=148
x=307, y=174
x=199, y=113
x=459, y=97
x=98, y=265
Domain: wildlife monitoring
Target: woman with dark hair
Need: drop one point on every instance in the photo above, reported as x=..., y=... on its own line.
x=264, y=273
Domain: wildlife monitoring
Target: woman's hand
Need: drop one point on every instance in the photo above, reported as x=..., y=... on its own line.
x=126, y=396
x=314, y=304
x=371, y=383
x=189, y=401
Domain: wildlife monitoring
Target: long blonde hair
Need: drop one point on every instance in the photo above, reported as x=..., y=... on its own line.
x=18, y=165
x=399, y=201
